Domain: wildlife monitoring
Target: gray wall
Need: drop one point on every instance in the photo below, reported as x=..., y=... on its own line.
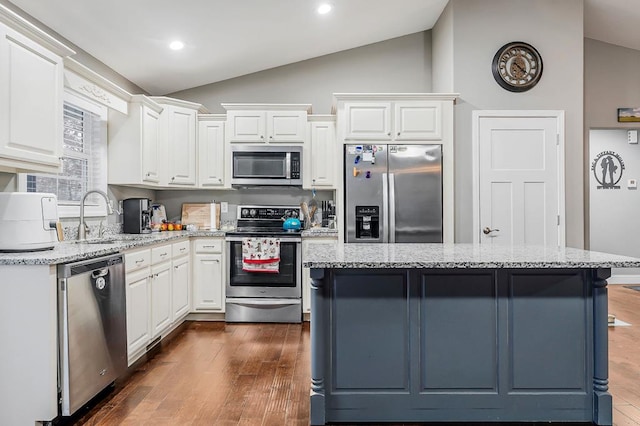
x=555, y=28
x=611, y=82
x=402, y=64
x=614, y=212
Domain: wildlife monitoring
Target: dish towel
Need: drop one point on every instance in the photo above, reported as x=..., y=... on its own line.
x=261, y=255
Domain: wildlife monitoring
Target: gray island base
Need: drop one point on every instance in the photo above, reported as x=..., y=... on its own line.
x=460, y=333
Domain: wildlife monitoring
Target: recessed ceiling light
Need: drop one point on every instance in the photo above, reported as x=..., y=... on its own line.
x=324, y=8
x=176, y=45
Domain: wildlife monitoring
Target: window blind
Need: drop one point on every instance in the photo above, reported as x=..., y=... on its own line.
x=84, y=159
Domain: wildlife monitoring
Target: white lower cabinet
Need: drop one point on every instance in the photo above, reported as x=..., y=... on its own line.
x=158, y=293
x=160, y=297
x=138, y=312
x=180, y=281
x=306, y=272
x=208, y=275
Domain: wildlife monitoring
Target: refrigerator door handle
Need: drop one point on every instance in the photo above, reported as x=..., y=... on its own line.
x=385, y=209
x=392, y=208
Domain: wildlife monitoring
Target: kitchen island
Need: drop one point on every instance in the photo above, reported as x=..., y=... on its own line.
x=459, y=332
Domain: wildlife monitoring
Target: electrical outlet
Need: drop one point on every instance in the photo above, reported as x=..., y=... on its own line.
x=224, y=207
x=632, y=136
x=632, y=183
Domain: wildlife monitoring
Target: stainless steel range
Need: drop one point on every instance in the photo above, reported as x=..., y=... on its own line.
x=271, y=293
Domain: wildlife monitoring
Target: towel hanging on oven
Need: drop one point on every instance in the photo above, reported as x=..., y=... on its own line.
x=261, y=255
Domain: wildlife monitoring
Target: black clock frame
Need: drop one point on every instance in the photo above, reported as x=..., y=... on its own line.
x=496, y=70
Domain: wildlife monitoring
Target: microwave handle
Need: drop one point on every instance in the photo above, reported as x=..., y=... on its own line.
x=288, y=165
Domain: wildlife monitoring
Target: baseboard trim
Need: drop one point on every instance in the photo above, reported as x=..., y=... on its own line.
x=624, y=279
x=205, y=316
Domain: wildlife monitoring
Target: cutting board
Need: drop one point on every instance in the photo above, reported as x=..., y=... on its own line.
x=203, y=215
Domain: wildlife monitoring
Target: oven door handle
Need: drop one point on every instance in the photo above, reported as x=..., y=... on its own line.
x=262, y=302
x=282, y=239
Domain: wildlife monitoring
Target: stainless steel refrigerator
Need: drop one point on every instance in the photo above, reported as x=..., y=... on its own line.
x=393, y=193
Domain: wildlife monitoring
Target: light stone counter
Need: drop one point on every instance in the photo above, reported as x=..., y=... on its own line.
x=335, y=255
x=319, y=233
x=71, y=251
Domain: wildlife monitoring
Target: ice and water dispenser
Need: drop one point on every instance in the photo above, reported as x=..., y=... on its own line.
x=367, y=222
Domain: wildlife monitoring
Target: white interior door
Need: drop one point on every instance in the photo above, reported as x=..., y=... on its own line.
x=518, y=179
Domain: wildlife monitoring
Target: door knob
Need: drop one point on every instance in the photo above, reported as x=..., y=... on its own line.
x=488, y=230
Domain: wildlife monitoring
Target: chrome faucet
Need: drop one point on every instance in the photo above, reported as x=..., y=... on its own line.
x=83, y=228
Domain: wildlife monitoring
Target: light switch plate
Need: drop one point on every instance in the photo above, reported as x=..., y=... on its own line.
x=632, y=183
x=224, y=207
x=632, y=136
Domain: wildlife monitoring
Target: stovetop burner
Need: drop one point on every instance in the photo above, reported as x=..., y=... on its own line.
x=265, y=220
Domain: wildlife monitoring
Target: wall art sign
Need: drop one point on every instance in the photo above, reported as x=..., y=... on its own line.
x=607, y=168
x=628, y=115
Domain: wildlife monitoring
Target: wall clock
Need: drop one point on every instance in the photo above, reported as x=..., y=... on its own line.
x=517, y=66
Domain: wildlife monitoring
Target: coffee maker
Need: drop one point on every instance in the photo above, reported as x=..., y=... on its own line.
x=136, y=216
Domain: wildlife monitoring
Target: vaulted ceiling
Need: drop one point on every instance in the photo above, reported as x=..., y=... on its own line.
x=229, y=38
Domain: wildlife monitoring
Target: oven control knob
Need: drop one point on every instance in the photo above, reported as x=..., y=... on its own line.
x=253, y=212
x=245, y=212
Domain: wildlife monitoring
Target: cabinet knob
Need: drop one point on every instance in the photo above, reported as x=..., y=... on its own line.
x=270, y=137
x=389, y=134
x=261, y=137
x=398, y=133
x=148, y=174
x=173, y=178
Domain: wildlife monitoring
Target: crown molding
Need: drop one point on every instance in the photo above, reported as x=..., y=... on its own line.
x=164, y=100
x=212, y=117
x=146, y=101
x=395, y=96
x=268, y=107
x=18, y=23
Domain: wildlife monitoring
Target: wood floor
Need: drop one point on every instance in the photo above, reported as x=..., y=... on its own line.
x=258, y=374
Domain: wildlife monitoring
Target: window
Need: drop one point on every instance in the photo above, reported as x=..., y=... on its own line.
x=84, y=160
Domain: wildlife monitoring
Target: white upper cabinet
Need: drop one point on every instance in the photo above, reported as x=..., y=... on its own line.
x=267, y=123
x=178, y=130
x=390, y=121
x=211, y=150
x=31, y=89
x=134, y=144
x=368, y=121
x=417, y=120
x=321, y=153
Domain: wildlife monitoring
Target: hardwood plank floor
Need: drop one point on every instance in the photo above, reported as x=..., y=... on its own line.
x=259, y=374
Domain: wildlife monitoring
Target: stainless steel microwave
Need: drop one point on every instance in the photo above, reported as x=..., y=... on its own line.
x=266, y=165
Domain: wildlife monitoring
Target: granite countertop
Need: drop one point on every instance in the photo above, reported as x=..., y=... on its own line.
x=71, y=251
x=399, y=255
x=319, y=232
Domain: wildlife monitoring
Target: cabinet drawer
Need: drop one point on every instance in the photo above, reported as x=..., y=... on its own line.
x=180, y=248
x=209, y=246
x=160, y=254
x=137, y=260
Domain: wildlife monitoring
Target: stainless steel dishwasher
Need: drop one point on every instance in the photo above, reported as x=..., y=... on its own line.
x=92, y=328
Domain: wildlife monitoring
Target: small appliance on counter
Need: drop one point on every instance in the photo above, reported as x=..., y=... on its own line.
x=136, y=216
x=28, y=221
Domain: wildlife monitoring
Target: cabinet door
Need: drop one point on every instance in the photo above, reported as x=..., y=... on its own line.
x=323, y=154
x=246, y=126
x=181, y=149
x=208, y=282
x=150, y=145
x=138, y=314
x=31, y=87
x=180, y=305
x=418, y=121
x=160, y=298
x=286, y=126
x=211, y=153
x=368, y=121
